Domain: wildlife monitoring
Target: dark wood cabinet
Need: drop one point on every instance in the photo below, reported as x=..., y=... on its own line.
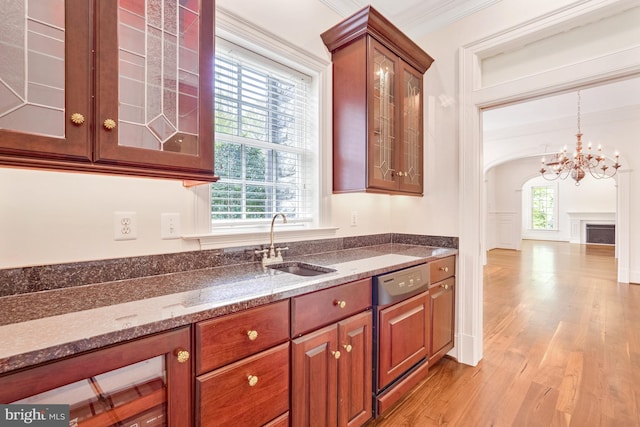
x=331, y=382
x=242, y=367
x=442, y=292
x=135, y=382
x=116, y=88
x=377, y=106
x=355, y=370
x=314, y=382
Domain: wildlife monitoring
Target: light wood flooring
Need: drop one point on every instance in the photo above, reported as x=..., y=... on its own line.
x=561, y=347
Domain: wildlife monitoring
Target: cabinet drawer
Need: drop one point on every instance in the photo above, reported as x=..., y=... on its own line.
x=229, y=338
x=317, y=309
x=250, y=392
x=442, y=268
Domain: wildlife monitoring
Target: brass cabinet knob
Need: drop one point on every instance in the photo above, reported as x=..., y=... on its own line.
x=77, y=119
x=252, y=335
x=348, y=347
x=336, y=354
x=181, y=354
x=445, y=269
x=109, y=124
x=445, y=286
x=341, y=304
x=253, y=380
x=401, y=174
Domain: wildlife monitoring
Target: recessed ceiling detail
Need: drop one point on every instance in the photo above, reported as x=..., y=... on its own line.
x=414, y=17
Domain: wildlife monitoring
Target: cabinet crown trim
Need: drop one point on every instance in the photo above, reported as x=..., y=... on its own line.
x=368, y=21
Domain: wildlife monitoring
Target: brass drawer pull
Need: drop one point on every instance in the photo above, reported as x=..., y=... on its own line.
x=341, y=304
x=253, y=380
x=445, y=269
x=252, y=335
x=446, y=286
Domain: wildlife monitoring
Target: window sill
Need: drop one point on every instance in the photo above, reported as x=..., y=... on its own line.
x=258, y=236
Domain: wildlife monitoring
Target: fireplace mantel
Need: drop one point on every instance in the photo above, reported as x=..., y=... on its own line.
x=579, y=220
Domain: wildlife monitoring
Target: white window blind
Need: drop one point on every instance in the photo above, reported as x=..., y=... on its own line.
x=263, y=146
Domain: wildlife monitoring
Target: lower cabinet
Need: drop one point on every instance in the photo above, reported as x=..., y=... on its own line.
x=331, y=381
x=442, y=292
x=242, y=368
x=142, y=382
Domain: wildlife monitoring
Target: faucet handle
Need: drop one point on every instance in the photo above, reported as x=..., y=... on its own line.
x=263, y=252
x=279, y=250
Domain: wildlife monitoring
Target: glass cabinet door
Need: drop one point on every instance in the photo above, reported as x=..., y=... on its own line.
x=45, y=79
x=382, y=137
x=411, y=143
x=132, y=395
x=154, y=83
x=142, y=382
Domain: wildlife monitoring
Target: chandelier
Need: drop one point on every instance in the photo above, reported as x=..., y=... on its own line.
x=562, y=166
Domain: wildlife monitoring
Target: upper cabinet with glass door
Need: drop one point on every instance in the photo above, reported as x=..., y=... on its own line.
x=131, y=94
x=377, y=106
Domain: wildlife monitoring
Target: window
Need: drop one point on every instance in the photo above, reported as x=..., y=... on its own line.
x=264, y=140
x=543, y=208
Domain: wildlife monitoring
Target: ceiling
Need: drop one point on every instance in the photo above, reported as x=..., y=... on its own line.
x=606, y=97
x=413, y=17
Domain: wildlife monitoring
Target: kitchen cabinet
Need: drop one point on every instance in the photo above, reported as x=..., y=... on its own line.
x=146, y=381
x=377, y=106
x=126, y=89
x=242, y=363
x=331, y=365
x=442, y=290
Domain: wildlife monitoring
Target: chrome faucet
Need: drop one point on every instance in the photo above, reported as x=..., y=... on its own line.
x=273, y=255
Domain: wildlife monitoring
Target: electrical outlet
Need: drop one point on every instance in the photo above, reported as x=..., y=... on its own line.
x=170, y=225
x=125, y=226
x=354, y=218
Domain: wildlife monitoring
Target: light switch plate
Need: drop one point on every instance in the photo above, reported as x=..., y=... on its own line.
x=170, y=226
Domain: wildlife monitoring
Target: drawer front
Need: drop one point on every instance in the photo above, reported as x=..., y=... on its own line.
x=229, y=338
x=442, y=268
x=317, y=309
x=250, y=392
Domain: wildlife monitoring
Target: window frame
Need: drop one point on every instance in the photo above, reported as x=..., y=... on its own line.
x=554, y=188
x=255, y=70
x=249, y=36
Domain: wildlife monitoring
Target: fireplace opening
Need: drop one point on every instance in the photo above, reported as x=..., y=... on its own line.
x=604, y=234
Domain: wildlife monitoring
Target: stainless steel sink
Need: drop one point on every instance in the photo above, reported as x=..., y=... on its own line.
x=301, y=268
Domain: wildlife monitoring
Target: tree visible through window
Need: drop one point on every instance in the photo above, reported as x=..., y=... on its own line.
x=261, y=139
x=543, y=207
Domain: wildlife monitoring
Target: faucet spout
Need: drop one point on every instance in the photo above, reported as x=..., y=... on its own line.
x=273, y=220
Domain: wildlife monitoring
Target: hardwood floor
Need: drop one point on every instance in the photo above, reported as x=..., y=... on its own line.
x=561, y=347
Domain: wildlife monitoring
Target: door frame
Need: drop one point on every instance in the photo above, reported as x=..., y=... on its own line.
x=472, y=99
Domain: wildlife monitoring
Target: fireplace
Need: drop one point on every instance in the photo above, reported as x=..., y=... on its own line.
x=578, y=222
x=604, y=234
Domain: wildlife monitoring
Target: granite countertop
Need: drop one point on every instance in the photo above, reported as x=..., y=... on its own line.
x=43, y=326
